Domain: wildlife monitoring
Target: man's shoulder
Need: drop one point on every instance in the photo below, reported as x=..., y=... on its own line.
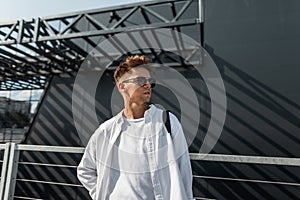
x=107, y=124
x=103, y=130
x=159, y=112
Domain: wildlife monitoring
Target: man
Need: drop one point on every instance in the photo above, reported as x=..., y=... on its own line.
x=132, y=156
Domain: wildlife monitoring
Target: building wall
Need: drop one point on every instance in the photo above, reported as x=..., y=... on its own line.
x=255, y=44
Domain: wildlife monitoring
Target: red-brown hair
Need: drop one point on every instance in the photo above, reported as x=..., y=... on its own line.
x=131, y=62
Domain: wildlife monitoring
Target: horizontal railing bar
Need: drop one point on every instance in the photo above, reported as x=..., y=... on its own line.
x=246, y=159
x=47, y=164
x=19, y=197
x=193, y=156
x=248, y=180
x=43, y=148
x=49, y=182
x=2, y=146
x=203, y=198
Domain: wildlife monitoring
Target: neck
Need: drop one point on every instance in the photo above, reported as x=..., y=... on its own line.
x=135, y=111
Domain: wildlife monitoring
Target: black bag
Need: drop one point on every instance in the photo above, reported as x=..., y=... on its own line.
x=166, y=119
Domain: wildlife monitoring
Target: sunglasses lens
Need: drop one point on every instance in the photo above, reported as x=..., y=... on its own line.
x=141, y=81
x=152, y=82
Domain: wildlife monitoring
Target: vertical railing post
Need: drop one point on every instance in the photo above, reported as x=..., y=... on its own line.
x=4, y=169
x=11, y=172
x=201, y=21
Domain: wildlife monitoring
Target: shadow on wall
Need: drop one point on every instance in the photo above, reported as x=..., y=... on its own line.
x=260, y=121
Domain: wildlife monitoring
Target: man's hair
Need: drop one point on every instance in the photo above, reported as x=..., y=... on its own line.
x=131, y=62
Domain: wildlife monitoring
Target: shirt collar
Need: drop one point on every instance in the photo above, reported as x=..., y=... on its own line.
x=120, y=120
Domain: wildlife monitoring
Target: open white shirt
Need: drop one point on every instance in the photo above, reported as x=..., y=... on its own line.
x=137, y=160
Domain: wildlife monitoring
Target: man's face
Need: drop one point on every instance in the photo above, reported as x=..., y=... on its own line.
x=137, y=86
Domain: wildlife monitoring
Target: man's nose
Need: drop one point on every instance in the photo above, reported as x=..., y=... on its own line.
x=147, y=85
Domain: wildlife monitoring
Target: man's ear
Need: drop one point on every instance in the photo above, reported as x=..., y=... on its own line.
x=121, y=86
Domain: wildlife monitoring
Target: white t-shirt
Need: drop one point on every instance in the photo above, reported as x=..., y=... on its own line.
x=128, y=185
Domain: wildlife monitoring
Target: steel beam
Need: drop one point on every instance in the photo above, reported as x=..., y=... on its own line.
x=78, y=32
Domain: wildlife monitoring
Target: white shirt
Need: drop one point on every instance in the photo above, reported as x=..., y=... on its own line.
x=158, y=157
x=133, y=185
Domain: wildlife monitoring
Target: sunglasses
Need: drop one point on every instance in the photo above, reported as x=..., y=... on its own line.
x=141, y=81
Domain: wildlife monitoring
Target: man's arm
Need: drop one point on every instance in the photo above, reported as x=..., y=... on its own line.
x=87, y=171
x=184, y=163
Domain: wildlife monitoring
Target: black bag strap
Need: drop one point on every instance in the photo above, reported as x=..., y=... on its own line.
x=166, y=118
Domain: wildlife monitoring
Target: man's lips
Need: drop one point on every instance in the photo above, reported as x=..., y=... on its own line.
x=147, y=92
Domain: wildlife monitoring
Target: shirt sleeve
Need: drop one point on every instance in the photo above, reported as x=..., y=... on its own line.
x=86, y=170
x=184, y=163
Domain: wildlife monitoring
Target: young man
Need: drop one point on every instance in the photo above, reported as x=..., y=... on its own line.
x=132, y=156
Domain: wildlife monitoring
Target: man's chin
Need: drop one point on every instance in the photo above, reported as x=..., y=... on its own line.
x=148, y=103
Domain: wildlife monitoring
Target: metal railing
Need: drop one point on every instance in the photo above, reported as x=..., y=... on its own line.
x=12, y=153
x=261, y=160
x=5, y=148
x=11, y=162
